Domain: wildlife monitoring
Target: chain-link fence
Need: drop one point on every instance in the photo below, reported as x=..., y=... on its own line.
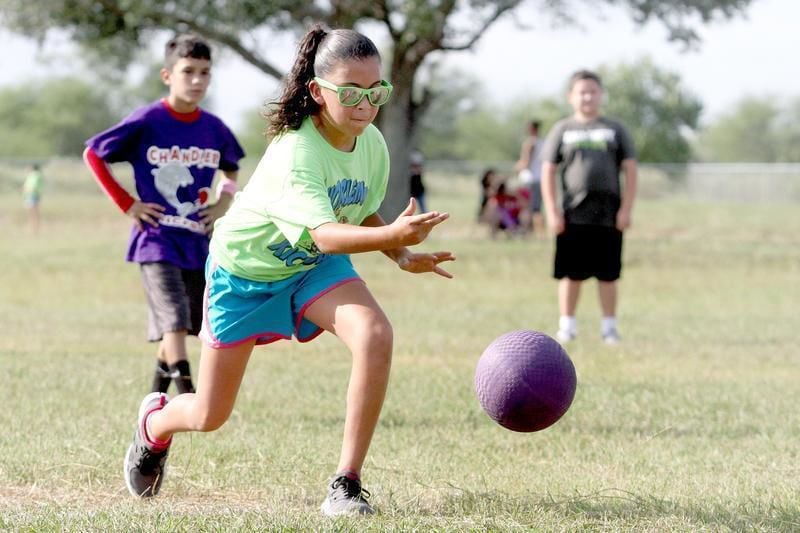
x=737, y=182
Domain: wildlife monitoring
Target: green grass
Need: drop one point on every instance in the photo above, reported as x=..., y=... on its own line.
x=690, y=425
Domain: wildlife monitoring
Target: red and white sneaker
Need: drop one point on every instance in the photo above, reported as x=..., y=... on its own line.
x=144, y=465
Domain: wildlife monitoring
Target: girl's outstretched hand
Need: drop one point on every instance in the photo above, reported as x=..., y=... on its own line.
x=419, y=263
x=413, y=229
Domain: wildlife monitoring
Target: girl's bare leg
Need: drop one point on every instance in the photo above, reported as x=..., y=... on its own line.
x=352, y=314
x=218, y=381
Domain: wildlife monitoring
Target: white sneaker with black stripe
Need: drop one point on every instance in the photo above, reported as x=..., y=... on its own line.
x=346, y=497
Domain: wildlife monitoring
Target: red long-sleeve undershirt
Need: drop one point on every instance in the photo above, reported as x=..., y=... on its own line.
x=107, y=181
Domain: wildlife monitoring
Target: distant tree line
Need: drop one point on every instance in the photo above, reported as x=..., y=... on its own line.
x=419, y=32
x=53, y=117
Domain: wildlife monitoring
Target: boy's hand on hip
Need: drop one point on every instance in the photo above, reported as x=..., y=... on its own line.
x=145, y=212
x=212, y=213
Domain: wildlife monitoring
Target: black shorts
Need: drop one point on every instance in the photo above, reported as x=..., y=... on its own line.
x=586, y=251
x=174, y=298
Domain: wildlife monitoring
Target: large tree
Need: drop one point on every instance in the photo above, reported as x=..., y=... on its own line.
x=416, y=28
x=655, y=106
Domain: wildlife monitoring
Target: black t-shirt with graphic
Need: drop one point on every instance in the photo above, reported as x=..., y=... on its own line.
x=589, y=155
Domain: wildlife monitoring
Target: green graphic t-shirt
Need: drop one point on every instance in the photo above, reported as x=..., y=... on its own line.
x=590, y=155
x=33, y=185
x=301, y=183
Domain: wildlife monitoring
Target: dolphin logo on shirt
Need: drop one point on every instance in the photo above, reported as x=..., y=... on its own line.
x=170, y=178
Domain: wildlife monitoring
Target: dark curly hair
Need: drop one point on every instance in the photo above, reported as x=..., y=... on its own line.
x=319, y=52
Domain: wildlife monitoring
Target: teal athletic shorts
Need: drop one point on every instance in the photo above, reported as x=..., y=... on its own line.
x=237, y=310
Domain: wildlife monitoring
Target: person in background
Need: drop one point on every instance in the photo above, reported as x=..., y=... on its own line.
x=176, y=149
x=507, y=208
x=529, y=172
x=32, y=189
x=584, y=154
x=488, y=178
x=417, y=186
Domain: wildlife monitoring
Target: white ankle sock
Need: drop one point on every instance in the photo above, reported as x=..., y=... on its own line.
x=568, y=324
x=608, y=324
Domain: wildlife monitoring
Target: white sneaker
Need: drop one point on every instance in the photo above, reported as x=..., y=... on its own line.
x=611, y=337
x=565, y=336
x=346, y=497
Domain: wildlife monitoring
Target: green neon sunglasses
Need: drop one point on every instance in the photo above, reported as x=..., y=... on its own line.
x=350, y=96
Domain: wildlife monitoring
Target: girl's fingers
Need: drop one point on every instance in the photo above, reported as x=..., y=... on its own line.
x=442, y=272
x=410, y=208
x=431, y=217
x=443, y=256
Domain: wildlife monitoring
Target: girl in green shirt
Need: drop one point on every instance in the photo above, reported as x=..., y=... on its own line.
x=279, y=263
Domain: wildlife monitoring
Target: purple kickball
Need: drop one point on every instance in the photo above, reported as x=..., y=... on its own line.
x=525, y=381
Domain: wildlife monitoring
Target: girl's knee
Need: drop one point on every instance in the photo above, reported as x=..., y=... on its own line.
x=373, y=342
x=381, y=337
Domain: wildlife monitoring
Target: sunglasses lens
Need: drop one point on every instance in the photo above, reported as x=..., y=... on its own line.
x=379, y=96
x=349, y=96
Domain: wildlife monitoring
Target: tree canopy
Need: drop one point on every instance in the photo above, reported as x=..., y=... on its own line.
x=653, y=104
x=416, y=28
x=51, y=118
x=656, y=109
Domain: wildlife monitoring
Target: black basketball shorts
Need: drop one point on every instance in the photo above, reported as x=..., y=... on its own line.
x=585, y=251
x=174, y=298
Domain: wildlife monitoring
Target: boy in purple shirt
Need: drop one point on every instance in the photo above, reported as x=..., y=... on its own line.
x=175, y=149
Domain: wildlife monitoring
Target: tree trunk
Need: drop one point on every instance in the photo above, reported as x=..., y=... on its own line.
x=394, y=126
x=398, y=123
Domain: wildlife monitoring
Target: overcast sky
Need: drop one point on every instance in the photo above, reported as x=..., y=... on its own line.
x=752, y=56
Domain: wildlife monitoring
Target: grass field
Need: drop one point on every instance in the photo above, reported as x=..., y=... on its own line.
x=690, y=425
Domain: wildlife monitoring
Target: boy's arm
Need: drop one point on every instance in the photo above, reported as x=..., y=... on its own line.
x=103, y=175
x=138, y=211
x=524, y=155
x=227, y=185
x=226, y=190
x=629, y=169
x=554, y=217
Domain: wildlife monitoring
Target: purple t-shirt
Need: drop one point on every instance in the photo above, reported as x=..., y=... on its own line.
x=174, y=158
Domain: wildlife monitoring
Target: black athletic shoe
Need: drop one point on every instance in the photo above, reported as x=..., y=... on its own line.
x=345, y=496
x=144, y=467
